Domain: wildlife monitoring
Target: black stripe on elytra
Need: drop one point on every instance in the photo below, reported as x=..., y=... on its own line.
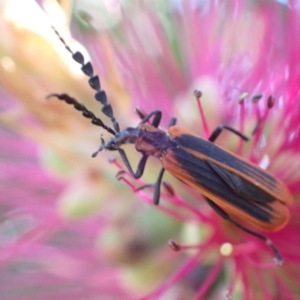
x=209, y=149
x=207, y=177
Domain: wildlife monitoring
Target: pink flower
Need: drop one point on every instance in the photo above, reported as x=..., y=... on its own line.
x=84, y=237
x=244, y=59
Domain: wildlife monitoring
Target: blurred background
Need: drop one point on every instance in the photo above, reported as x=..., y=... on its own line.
x=68, y=228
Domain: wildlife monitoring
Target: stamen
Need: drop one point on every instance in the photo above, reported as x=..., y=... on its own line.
x=270, y=101
x=242, y=97
x=226, y=249
x=256, y=98
x=261, y=120
x=241, y=122
x=178, y=247
x=198, y=95
x=120, y=174
x=174, y=246
x=169, y=188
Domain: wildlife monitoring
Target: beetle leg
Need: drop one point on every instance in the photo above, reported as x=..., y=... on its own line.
x=141, y=165
x=172, y=122
x=157, y=184
x=156, y=194
x=219, y=129
x=227, y=217
x=141, y=113
x=156, y=119
x=145, y=117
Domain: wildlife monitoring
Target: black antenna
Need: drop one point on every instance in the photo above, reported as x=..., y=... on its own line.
x=94, y=83
x=80, y=107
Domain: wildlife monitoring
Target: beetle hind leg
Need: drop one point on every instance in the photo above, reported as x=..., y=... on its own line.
x=226, y=216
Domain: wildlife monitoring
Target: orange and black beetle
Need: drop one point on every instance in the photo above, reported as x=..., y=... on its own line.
x=232, y=186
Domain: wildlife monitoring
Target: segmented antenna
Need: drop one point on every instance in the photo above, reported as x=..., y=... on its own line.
x=80, y=107
x=94, y=83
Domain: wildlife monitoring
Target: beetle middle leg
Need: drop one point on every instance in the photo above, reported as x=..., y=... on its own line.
x=227, y=217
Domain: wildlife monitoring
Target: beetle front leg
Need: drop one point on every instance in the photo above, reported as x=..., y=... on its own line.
x=156, y=119
x=140, y=168
x=139, y=172
x=145, y=117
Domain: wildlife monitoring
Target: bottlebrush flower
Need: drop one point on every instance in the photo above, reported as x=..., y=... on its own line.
x=243, y=57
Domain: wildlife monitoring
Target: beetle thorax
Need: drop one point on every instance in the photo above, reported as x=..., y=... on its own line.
x=151, y=140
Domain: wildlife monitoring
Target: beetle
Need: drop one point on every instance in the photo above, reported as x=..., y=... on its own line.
x=234, y=187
